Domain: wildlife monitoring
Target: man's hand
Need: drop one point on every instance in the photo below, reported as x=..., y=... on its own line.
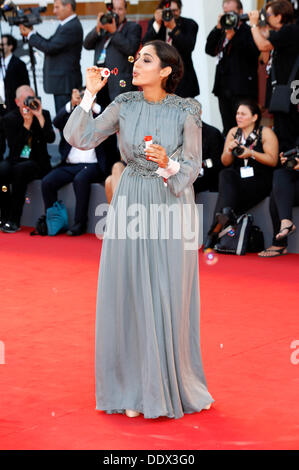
x=24, y=30
x=218, y=22
x=158, y=16
x=170, y=24
x=110, y=27
x=76, y=98
x=99, y=24
x=254, y=17
x=38, y=113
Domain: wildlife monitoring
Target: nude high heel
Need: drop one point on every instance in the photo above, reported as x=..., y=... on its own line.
x=132, y=413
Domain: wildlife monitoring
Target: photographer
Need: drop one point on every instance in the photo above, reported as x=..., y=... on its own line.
x=250, y=155
x=82, y=167
x=13, y=72
x=284, y=196
x=181, y=33
x=212, y=148
x=236, y=72
x=114, y=42
x=281, y=39
x=62, y=70
x=27, y=129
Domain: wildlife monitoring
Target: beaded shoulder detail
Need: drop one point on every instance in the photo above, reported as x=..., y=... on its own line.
x=129, y=96
x=187, y=105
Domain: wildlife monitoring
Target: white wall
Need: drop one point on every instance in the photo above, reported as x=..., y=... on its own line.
x=205, y=13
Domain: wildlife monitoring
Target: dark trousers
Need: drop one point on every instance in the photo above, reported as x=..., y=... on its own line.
x=284, y=196
x=241, y=194
x=18, y=174
x=82, y=175
x=286, y=127
x=61, y=100
x=228, y=107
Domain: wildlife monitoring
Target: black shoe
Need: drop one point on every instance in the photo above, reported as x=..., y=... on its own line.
x=211, y=241
x=10, y=227
x=77, y=229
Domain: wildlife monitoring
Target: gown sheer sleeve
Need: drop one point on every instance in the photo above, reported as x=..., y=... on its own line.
x=191, y=156
x=84, y=132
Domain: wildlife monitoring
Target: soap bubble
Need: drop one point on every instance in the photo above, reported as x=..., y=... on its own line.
x=4, y=189
x=210, y=257
x=131, y=59
x=123, y=83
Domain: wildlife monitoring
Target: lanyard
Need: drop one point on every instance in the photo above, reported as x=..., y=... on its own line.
x=119, y=29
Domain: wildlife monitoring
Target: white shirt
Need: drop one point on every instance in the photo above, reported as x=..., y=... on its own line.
x=82, y=156
x=157, y=27
x=3, y=68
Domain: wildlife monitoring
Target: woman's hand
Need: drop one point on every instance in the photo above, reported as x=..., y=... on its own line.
x=234, y=143
x=246, y=154
x=94, y=81
x=157, y=154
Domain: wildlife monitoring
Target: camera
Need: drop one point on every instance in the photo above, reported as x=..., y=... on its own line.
x=107, y=18
x=238, y=150
x=32, y=103
x=231, y=19
x=291, y=157
x=20, y=16
x=167, y=14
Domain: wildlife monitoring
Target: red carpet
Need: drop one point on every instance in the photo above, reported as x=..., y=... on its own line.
x=249, y=318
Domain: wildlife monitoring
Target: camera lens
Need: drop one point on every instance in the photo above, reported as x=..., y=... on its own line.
x=167, y=14
x=237, y=151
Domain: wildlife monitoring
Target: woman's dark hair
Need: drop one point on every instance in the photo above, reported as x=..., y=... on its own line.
x=254, y=109
x=169, y=57
x=283, y=8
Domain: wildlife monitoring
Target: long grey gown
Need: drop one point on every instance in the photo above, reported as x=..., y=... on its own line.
x=147, y=327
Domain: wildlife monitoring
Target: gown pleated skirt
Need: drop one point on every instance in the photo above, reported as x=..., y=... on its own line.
x=148, y=355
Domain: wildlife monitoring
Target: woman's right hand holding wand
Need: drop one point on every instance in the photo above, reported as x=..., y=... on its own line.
x=94, y=80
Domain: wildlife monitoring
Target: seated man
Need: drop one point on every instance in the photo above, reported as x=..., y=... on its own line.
x=212, y=148
x=27, y=130
x=82, y=167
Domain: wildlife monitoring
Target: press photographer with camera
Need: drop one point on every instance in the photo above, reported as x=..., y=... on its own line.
x=115, y=41
x=27, y=130
x=280, y=38
x=237, y=61
x=250, y=155
x=168, y=25
x=13, y=72
x=284, y=196
x=62, y=51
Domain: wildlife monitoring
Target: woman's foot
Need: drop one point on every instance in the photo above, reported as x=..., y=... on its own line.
x=207, y=407
x=132, y=413
x=273, y=252
x=287, y=228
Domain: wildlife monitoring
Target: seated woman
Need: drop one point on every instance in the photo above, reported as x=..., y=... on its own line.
x=112, y=180
x=250, y=154
x=284, y=196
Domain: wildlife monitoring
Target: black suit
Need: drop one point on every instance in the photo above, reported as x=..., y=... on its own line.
x=16, y=75
x=123, y=43
x=212, y=148
x=17, y=170
x=183, y=39
x=62, y=70
x=236, y=73
x=81, y=174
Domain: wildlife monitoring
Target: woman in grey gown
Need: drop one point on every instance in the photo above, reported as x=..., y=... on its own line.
x=148, y=357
